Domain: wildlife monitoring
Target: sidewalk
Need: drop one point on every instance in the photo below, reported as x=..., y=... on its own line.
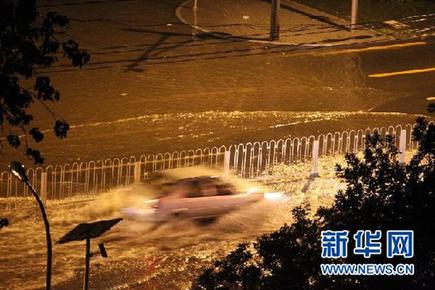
x=249, y=19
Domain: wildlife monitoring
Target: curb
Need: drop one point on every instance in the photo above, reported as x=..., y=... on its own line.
x=188, y=4
x=184, y=4
x=317, y=14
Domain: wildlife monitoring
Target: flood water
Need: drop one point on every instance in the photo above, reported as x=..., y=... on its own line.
x=141, y=254
x=196, y=94
x=139, y=251
x=151, y=88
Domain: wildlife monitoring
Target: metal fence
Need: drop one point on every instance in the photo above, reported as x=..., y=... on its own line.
x=63, y=182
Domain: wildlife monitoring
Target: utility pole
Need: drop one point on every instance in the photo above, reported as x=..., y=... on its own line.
x=354, y=18
x=274, y=20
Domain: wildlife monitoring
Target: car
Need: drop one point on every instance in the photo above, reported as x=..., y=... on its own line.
x=197, y=193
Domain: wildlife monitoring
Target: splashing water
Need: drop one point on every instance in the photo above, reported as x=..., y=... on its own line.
x=144, y=255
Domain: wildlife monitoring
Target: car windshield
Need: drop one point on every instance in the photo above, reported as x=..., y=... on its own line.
x=193, y=188
x=225, y=189
x=201, y=186
x=205, y=186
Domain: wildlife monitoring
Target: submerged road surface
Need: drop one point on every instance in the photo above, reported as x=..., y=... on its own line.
x=151, y=87
x=144, y=255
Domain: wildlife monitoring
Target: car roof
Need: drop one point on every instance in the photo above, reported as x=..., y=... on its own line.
x=201, y=172
x=191, y=172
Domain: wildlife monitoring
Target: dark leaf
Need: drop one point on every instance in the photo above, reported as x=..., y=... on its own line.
x=61, y=128
x=36, y=134
x=77, y=56
x=45, y=90
x=14, y=140
x=35, y=155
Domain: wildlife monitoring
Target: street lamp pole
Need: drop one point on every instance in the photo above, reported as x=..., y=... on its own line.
x=47, y=234
x=19, y=171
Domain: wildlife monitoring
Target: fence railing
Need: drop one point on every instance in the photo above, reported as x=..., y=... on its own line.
x=61, y=182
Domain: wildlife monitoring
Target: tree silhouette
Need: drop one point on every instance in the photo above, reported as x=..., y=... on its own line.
x=28, y=42
x=381, y=194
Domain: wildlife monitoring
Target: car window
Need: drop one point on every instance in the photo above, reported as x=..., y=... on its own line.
x=208, y=188
x=165, y=189
x=193, y=188
x=203, y=187
x=225, y=189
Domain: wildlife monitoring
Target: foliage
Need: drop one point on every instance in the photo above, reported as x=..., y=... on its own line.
x=29, y=42
x=275, y=259
x=381, y=194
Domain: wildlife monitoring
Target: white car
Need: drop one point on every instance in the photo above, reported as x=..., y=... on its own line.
x=198, y=192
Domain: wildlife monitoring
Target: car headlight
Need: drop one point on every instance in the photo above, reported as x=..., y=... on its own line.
x=274, y=195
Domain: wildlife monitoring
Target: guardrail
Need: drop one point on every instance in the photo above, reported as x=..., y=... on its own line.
x=250, y=160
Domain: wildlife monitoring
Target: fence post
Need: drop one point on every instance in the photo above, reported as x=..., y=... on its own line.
x=136, y=172
x=43, y=189
x=314, y=160
x=402, y=146
x=227, y=158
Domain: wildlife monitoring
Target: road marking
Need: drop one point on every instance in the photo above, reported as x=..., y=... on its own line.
x=379, y=47
x=356, y=50
x=405, y=72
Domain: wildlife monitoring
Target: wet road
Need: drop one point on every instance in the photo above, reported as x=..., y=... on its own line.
x=144, y=255
x=151, y=87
